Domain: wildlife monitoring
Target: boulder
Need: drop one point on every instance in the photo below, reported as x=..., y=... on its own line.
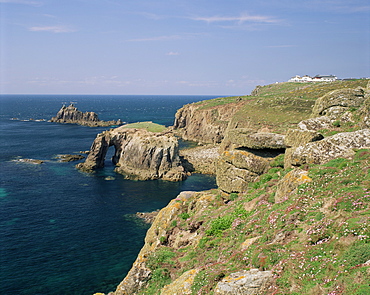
x=182, y=285
x=289, y=183
x=245, y=282
x=338, y=101
x=338, y=145
x=139, y=154
x=236, y=168
x=243, y=137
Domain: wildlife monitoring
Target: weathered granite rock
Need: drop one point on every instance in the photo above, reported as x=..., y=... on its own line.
x=253, y=281
x=237, y=168
x=182, y=285
x=318, y=123
x=139, y=274
x=289, y=183
x=338, y=145
x=72, y=115
x=139, y=154
x=201, y=159
x=295, y=138
x=204, y=125
x=243, y=137
x=338, y=101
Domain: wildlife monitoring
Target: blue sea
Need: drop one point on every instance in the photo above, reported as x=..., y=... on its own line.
x=63, y=231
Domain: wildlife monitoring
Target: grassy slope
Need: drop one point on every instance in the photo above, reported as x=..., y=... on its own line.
x=315, y=242
x=149, y=126
x=279, y=106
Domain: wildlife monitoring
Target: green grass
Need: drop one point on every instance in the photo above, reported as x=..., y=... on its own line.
x=315, y=241
x=149, y=126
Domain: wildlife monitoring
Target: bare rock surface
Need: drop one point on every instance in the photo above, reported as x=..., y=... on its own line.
x=338, y=101
x=338, y=145
x=72, y=115
x=251, y=282
x=139, y=154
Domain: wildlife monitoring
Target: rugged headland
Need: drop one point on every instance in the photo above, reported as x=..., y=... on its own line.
x=291, y=212
x=71, y=115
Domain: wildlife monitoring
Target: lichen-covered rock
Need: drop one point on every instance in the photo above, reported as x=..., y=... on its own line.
x=289, y=183
x=297, y=137
x=338, y=145
x=72, y=115
x=139, y=154
x=139, y=273
x=182, y=285
x=251, y=282
x=243, y=137
x=237, y=168
x=338, y=101
x=318, y=123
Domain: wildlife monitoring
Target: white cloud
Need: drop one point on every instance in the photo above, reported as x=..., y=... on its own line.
x=52, y=29
x=238, y=19
x=33, y=3
x=167, y=37
x=172, y=53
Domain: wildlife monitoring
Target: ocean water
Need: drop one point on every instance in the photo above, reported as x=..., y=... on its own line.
x=63, y=231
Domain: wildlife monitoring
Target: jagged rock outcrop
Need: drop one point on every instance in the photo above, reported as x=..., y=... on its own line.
x=140, y=273
x=72, y=115
x=244, y=156
x=139, y=154
x=338, y=145
x=338, y=101
x=206, y=125
x=237, y=168
x=245, y=282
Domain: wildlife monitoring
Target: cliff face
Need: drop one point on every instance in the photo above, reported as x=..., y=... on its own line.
x=204, y=125
x=139, y=154
x=72, y=115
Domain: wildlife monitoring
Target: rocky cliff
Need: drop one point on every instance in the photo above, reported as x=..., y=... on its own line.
x=139, y=154
x=291, y=214
x=71, y=115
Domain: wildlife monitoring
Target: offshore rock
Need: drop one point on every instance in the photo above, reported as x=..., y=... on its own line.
x=72, y=115
x=139, y=154
x=253, y=281
x=338, y=145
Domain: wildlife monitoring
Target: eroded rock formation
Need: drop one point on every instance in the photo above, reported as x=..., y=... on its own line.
x=72, y=115
x=139, y=154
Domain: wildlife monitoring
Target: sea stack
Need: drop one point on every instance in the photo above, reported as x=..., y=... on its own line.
x=139, y=154
x=71, y=115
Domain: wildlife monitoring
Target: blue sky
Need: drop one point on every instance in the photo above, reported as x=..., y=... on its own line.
x=216, y=47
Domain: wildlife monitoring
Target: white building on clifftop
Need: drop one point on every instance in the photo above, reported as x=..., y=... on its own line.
x=317, y=78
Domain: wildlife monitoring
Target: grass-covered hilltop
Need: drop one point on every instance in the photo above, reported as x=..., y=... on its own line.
x=291, y=212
